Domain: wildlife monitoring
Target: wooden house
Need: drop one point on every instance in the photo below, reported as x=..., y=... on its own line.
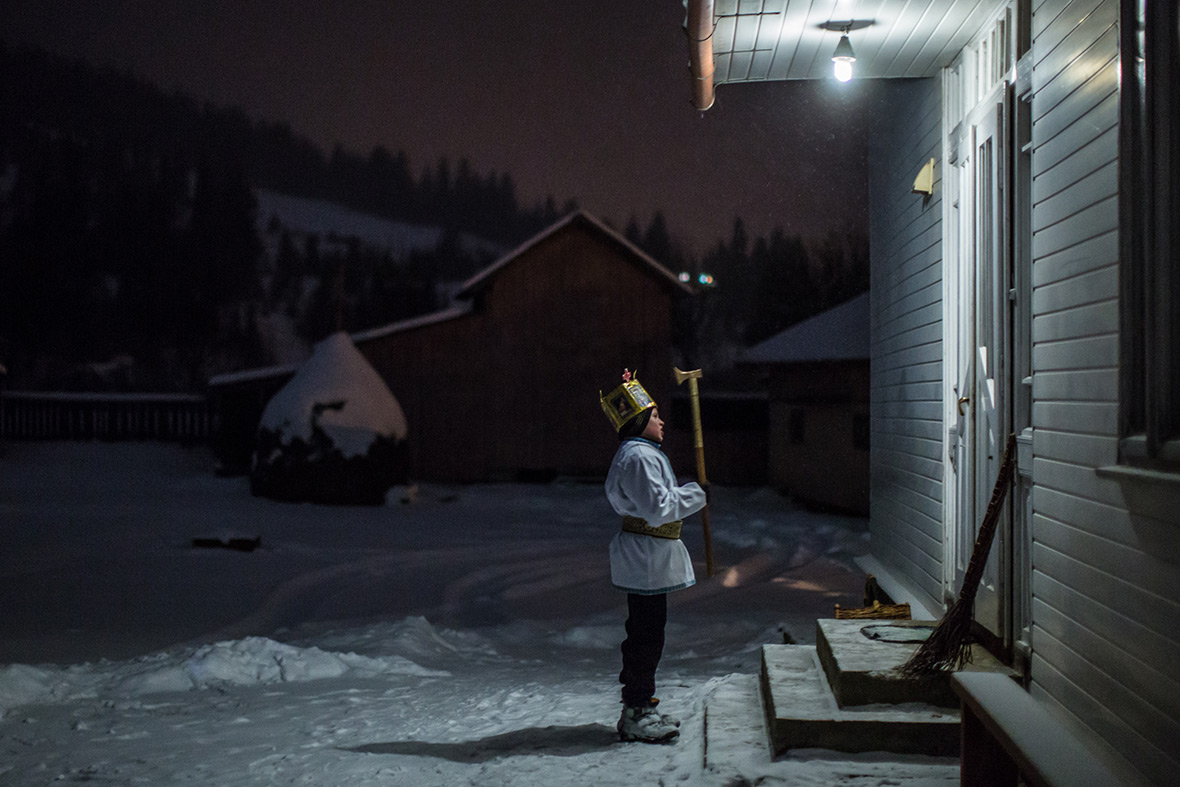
x=818, y=432
x=1024, y=178
x=504, y=384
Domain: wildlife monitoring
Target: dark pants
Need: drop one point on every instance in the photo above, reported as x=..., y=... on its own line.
x=646, y=616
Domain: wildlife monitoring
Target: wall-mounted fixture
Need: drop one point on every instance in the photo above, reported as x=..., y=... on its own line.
x=924, y=183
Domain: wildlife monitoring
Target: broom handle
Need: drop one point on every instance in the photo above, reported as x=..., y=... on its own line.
x=987, y=528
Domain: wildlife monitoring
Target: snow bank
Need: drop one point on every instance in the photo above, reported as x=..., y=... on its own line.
x=246, y=662
x=589, y=637
x=412, y=637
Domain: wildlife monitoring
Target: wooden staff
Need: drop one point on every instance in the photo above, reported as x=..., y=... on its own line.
x=699, y=443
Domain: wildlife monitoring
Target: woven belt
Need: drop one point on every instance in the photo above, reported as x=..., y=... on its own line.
x=633, y=524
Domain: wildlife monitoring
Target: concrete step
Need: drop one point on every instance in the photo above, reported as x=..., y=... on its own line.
x=802, y=713
x=861, y=671
x=736, y=742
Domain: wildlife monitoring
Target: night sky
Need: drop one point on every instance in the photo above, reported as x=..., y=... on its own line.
x=589, y=101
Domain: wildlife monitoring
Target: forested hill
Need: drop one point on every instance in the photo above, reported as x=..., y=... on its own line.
x=47, y=95
x=130, y=239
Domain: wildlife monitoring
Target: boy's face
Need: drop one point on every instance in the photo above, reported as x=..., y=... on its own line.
x=654, y=430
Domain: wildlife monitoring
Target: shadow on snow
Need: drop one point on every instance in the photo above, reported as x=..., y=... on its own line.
x=555, y=741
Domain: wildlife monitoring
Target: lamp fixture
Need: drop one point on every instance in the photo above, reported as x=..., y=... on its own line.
x=843, y=57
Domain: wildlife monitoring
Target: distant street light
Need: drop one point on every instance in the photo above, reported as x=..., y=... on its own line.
x=704, y=279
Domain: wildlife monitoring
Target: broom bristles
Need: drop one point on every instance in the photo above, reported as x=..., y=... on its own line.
x=948, y=646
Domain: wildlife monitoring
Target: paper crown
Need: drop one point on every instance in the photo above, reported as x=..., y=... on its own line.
x=625, y=402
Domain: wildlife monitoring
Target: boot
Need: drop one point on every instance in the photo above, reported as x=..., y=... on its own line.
x=675, y=722
x=645, y=724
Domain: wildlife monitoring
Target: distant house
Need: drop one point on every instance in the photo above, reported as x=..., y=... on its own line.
x=504, y=384
x=818, y=443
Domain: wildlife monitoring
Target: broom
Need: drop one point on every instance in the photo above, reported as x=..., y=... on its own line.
x=948, y=646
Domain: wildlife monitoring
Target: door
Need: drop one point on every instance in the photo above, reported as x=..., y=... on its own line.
x=982, y=371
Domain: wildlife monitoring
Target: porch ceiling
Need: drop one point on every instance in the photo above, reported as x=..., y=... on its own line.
x=761, y=40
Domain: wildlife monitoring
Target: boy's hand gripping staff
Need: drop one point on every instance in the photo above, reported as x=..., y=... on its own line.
x=699, y=443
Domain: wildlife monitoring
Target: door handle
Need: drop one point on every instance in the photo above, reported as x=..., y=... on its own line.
x=962, y=401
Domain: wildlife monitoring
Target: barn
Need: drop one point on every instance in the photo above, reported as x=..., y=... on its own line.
x=503, y=384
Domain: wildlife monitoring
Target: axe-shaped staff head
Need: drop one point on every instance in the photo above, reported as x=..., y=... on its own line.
x=682, y=376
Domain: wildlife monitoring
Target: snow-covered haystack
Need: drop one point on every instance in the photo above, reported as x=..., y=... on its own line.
x=334, y=434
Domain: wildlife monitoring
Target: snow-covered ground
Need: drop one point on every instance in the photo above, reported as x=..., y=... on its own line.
x=468, y=637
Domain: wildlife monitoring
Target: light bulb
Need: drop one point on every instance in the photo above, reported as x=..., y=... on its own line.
x=842, y=58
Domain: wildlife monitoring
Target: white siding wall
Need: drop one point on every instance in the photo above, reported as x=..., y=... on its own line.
x=906, y=390
x=1106, y=584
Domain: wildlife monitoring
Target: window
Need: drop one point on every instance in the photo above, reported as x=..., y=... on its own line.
x=1149, y=233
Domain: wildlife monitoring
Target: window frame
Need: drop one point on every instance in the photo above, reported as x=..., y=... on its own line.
x=1149, y=197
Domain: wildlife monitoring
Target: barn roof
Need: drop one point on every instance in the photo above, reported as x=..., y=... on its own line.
x=481, y=279
x=253, y=375
x=421, y=321
x=286, y=370
x=839, y=334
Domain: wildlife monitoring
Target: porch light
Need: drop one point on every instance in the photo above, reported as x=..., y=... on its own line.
x=843, y=58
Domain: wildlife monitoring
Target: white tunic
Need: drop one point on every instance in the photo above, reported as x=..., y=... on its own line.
x=641, y=483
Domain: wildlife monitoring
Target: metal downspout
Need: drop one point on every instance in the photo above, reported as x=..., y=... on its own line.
x=700, y=52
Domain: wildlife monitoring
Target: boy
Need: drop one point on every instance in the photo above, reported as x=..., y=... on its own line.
x=647, y=558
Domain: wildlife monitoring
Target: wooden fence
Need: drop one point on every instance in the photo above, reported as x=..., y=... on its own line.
x=36, y=415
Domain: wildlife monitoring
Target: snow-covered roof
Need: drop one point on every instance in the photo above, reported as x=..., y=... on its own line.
x=476, y=282
x=285, y=370
x=252, y=375
x=442, y=315
x=839, y=334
